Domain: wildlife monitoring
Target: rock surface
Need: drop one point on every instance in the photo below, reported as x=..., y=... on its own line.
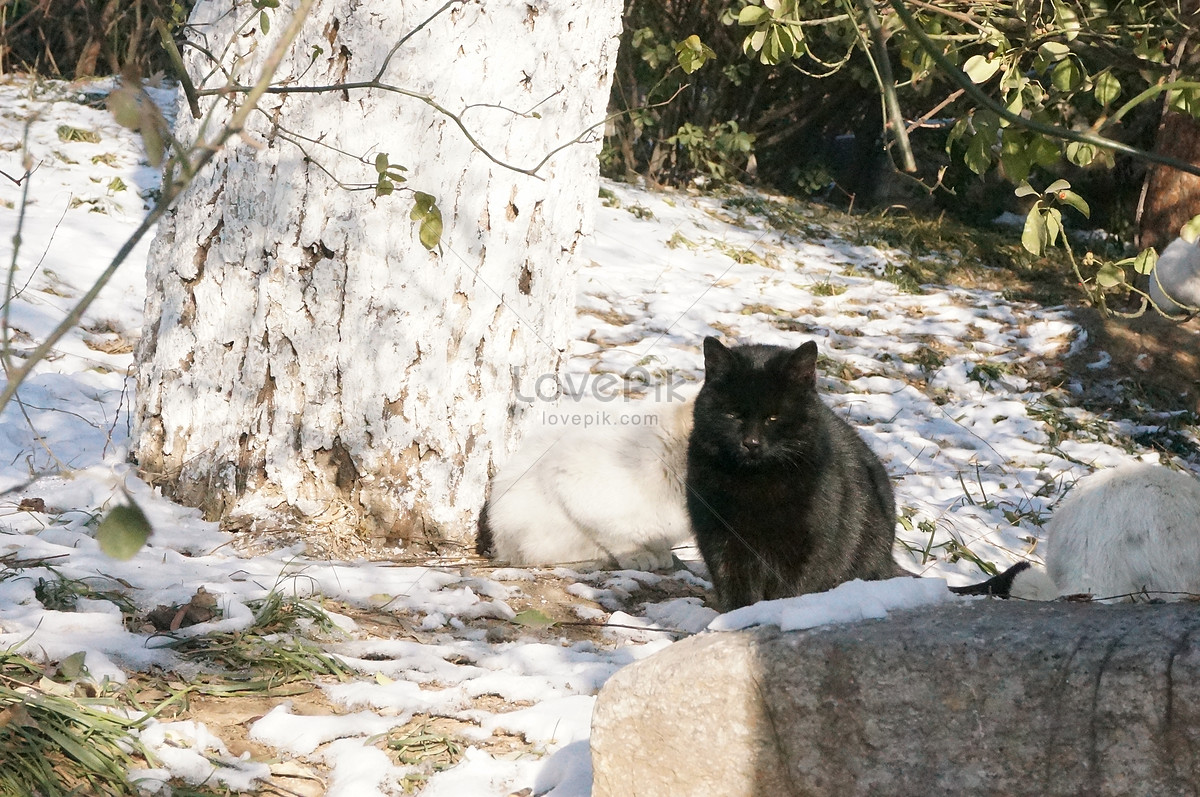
x=983, y=698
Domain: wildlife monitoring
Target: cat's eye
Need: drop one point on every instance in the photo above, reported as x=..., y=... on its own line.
x=730, y=415
x=772, y=418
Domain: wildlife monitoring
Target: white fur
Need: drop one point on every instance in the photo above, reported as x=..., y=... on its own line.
x=1125, y=530
x=1175, y=281
x=1033, y=584
x=609, y=494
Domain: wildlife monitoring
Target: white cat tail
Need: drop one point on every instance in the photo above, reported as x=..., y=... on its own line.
x=1033, y=584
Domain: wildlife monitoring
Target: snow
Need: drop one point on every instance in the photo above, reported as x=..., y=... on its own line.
x=847, y=603
x=974, y=468
x=187, y=750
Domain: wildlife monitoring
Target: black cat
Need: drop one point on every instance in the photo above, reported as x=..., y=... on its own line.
x=784, y=497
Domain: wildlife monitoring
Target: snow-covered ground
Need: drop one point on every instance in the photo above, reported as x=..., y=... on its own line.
x=946, y=384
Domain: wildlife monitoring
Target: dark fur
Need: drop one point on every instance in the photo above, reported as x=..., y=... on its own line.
x=787, y=506
x=483, y=539
x=999, y=586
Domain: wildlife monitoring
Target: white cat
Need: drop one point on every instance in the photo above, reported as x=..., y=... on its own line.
x=1120, y=531
x=608, y=493
x=1128, y=529
x=1175, y=281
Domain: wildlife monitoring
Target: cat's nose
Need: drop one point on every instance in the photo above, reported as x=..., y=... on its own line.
x=752, y=444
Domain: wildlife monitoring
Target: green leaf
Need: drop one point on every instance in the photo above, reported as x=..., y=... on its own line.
x=1025, y=189
x=979, y=154
x=1145, y=261
x=1067, y=20
x=756, y=40
x=1042, y=150
x=957, y=132
x=422, y=204
x=123, y=104
x=123, y=531
x=72, y=666
x=1191, y=230
x=1109, y=275
x=787, y=42
x=1076, y=201
x=693, y=53
x=381, y=163
x=431, y=230
x=772, y=51
x=264, y=22
x=1067, y=76
x=981, y=68
x=1016, y=103
x=1016, y=164
x=753, y=15
x=1034, y=236
x=532, y=618
x=1013, y=79
x=384, y=187
x=1057, y=185
x=426, y=211
x=1080, y=153
x=1053, y=52
x=1107, y=88
x=1054, y=225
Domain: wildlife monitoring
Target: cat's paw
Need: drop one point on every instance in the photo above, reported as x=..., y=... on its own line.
x=645, y=560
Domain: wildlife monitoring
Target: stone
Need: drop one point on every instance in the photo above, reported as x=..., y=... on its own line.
x=979, y=697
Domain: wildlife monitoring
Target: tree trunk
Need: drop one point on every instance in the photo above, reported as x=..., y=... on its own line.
x=306, y=363
x=1170, y=198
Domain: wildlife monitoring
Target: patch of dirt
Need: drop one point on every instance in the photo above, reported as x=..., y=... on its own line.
x=230, y=716
x=427, y=743
x=116, y=345
x=1158, y=358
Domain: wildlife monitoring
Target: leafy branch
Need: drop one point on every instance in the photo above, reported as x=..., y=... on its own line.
x=970, y=86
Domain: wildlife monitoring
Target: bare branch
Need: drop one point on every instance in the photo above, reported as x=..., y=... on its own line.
x=388, y=58
x=887, y=86
x=171, y=190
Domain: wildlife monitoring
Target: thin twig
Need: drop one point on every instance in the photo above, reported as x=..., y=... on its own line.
x=388, y=58
x=18, y=181
x=171, y=191
x=966, y=19
x=176, y=62
x=5, y=339
x=918, y=122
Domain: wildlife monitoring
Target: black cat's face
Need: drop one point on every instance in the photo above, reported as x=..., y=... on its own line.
x=757, y=404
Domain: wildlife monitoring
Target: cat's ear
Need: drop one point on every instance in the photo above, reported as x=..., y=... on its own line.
x=718, y=359
x=802, y=365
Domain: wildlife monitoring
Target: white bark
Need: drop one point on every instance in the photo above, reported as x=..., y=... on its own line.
x=305, y=361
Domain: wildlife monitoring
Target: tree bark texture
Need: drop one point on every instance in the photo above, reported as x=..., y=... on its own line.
x=305, y=361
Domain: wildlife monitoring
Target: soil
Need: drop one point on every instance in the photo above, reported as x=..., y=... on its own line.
x=1156, y=357
x=230, y=716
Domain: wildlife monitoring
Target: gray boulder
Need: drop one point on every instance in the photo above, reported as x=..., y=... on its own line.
x=970, y=698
